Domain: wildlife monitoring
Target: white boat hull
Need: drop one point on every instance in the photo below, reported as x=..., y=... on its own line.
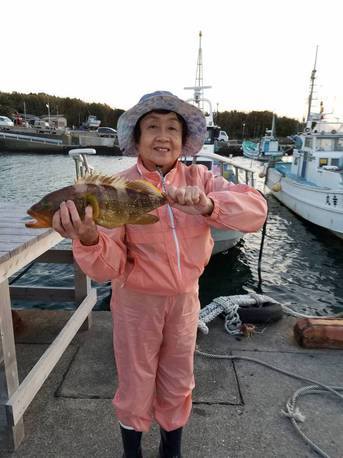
x=323, y=207
x=224, y=240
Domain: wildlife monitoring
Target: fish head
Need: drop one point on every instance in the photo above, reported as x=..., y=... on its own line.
x=43, y=211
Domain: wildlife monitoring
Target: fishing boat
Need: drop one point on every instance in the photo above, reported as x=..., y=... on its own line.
x=312, y=184
x=223, y=166
x=266, y=149
x=219, y=165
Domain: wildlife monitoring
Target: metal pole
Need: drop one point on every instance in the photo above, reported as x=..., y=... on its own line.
x=48, y=107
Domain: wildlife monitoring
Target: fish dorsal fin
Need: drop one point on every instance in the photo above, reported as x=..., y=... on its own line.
x=116, y=182
x=143, y=186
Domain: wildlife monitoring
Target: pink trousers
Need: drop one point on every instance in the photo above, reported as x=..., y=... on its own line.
x=154, y=341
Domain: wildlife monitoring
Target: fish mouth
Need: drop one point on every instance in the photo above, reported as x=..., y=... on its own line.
x=40, y=221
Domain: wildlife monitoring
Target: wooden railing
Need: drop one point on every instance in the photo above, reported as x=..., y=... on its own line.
x=84, y=297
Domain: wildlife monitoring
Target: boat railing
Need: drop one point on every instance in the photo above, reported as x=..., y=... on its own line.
x=82, y=167
x=28, y=138
x=248, y=173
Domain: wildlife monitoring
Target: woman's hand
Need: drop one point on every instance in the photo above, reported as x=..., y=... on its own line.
x=190, y=199
x=67, y=222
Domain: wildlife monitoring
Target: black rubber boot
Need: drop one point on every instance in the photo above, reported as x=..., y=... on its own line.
x=170, y=446
x=131, y=443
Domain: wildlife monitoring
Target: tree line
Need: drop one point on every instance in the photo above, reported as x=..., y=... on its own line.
x=253, y=125
x=74, y=110
x=237, y=124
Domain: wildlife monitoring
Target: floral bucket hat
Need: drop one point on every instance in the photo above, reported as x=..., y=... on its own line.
x=162, y=100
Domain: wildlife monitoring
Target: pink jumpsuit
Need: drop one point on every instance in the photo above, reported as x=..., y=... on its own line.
x=154, y=271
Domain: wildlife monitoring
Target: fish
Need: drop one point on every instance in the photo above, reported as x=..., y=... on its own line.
x=115, y=201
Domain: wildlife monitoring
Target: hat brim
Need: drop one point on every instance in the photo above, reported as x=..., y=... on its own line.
x=194, y=118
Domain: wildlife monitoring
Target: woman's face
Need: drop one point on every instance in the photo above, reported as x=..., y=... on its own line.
x=160, y=143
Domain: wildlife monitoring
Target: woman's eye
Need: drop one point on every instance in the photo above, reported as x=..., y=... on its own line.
x=151, y=126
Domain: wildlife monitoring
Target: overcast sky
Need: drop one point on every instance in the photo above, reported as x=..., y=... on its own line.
x=257, y=54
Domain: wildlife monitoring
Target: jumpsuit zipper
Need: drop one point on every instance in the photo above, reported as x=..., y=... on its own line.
x=171, y=218
x=172, y=221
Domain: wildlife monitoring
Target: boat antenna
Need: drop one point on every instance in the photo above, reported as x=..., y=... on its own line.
x=313, y=77
x=273, y=126
x=199, y=78
x=198, y=88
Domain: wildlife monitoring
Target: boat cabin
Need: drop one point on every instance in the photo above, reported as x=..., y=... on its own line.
x=318, y=157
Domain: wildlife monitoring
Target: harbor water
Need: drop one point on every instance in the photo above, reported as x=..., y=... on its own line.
x=302, y=265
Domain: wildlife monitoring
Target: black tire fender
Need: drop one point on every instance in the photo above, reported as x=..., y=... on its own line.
x=260, y=313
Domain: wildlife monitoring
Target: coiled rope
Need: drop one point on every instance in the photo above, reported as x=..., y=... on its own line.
x=229, y=305
x=291, y=411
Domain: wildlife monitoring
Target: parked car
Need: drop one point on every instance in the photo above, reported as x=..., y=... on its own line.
x=6, y=122
x=107, y=132
x=40, y=124
x=92, y=122
x=223, y=136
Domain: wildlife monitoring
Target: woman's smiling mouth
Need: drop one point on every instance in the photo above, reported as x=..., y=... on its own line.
x=161, y=150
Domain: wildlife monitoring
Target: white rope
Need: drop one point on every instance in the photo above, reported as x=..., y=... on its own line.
x=229, y=306
x=292, y=412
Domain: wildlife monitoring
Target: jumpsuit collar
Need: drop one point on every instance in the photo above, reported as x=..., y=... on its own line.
x=153, y=175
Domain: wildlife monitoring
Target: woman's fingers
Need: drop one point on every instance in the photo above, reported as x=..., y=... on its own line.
x=66, y=218
x=190, y=199
x=88, y=220
x=74, y=216
x=56, y=224
x=187, y=195
x=67, y=222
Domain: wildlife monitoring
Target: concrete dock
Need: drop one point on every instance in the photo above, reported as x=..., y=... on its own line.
x=237, y=404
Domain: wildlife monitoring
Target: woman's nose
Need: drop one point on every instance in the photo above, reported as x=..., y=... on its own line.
x=163, y=133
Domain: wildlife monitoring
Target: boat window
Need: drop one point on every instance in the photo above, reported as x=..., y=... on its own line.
x=325, y=144
x=209, y=140
x=323, y=161
x=308, y=142
x=339, y=144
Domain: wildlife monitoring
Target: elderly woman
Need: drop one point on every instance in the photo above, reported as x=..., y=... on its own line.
x=155, y=268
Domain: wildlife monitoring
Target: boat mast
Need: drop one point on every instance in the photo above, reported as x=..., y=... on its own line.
x=310, y=97
x=199, y=79
x=198, y=94
x=273, y=126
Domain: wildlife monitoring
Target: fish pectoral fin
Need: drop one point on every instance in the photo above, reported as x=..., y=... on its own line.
x=109, y=224
x=144, y=219
x=92, y=200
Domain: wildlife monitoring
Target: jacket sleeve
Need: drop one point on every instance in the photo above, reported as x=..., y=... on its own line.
x=236, y=206
x=107, y=259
